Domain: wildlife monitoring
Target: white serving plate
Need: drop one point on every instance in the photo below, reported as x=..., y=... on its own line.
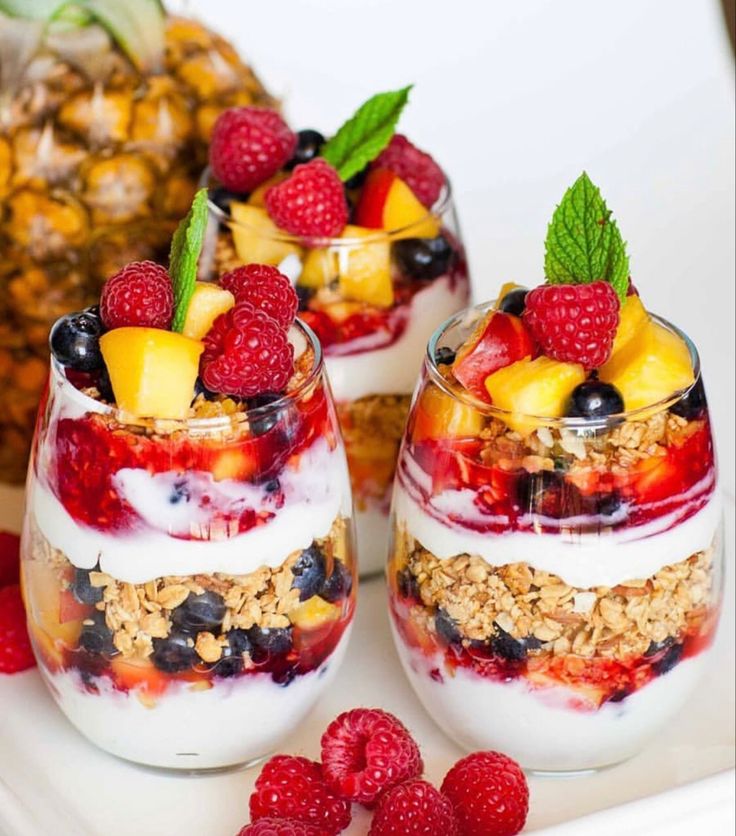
x=53, y=782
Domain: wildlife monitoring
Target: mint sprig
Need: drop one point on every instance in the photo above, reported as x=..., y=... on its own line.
x=362, y=138
x=186, y=245
x=584, y=243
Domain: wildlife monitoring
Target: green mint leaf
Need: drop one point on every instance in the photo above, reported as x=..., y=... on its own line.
x=362, y=138
x=583, y=243
x=186, y=246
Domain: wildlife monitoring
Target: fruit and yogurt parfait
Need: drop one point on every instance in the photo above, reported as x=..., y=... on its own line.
x=555, y=569
x=187, y=550
x=364, y=224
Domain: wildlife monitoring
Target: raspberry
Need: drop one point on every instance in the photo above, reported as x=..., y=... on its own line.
x=295, y=789
x=279, y=827
x=415, y=807
x=249, y=145
x=416, y=168
x=9, y=558
x=311, y=202
x=15, y=646
x=366, y=752
x=246, y=353
x=139, y=294
x=489, y=793
x=265, y=288
x=574, y=323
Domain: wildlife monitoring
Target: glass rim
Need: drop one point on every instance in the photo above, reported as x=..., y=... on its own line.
x=203, y=424
x=438, y=209
x=565, y=421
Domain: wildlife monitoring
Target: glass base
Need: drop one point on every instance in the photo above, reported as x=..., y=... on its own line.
x=184, y=771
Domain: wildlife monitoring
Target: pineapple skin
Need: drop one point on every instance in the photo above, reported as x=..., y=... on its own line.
x=98, y=163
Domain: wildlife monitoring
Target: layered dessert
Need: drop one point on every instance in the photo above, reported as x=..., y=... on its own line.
x=187, y=549
x=363, y=223
x=555, y=568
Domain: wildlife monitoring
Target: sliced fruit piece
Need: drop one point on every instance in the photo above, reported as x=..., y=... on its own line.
x=533, y=387
x=140, y=676
x=632, y=319
x=650, y=367
x=258, y=195
x=42, y=587
x=319, y=268
x=256, y=236
x=152, y=372
x=438, y=415
x=208, y=302
x=499, y=340
x=365, y=271
x=314, y=613
x=386, y=202
x=72, y=610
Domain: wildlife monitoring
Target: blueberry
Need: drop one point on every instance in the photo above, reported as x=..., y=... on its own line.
x=304, y=294
x=511, y=649
x=446, y=628
x=269, y=641
x=83, y=590
x=423, y=258
x=272, y=486
x=514, y=302
x=175, y=653
x=179, y=493
x=338, y=585
x=104, y=386
x=444, y=355
x=308, y=145
x=200, y=613
x=75, y=341
x=668, y=661
x=231, y=662
x=657, y=647
x=97, y=636
x=407, y=584
x=595, y=399
x=548, y=494
x=608, y=504
x=260, y=424
x=309, y=572
x=222, y=198
x=692, y=404
x=357, y=180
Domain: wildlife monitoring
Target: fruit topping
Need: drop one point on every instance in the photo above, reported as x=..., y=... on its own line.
x=514, y=301
x=294, y=788
x=438, y=415
x=387, y=202
x=280, y=827
x=265, y=288
x=200, y=613
x=246, y=353
x=208, y=302
x=256, y=237
x=364, y=270
x=308, y=145
x=489, y=794
x=175, y=653
x=595, y=399
x=309, y=572
x=366, y=752
x=632, y=319
x=416, y=168
x=311, y=202
x=140, y=294
x=574, y=323
x=9, y=558
x=15, y=646
x=499, y=340
x=248, y=145
x=414, y=808
x=424, y=258
x=75, y=341
x=152, y=372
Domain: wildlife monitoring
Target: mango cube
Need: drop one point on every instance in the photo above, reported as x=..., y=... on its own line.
x=438, y=415
x=313, y=613
x=365, y=270
x=208, y=302
x=152, y=371
x=632, y=319
x=319, y=268
x=404, y=209
x=256, y=236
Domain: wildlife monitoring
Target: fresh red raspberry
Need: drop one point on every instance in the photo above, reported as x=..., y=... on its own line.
x=9, y=558
x=574, y=323
x=311, y=202
x=15, y=646
x=139, y=294
x=366, y=752
x=414, y=807
x=489, y=793
x=294, y=788
x=279, y=827
x=416, y=168
x=246, y=353
x=265, y=288
x=249, y=145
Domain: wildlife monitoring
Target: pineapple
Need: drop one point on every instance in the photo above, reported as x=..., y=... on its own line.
x=106, y=109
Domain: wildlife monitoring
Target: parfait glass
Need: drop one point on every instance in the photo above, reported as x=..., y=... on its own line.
x=555, y=584
x=189, y=584
x=373, y=297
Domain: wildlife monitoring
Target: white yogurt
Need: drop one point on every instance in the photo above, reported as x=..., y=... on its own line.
x=393, y=370
x=538, y=728
x=235, y=722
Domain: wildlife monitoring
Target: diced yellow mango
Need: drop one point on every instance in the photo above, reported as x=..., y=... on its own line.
x=313, y=613
x=208, y=302
x=258, y=195
x=42, y=590
x=649, y=368
x=404, y=209
x=632, y=319
x=540, y=387
x=319, y=268
x=438, y=415
x=152, y=371
x=256, y=236
x=365, y=270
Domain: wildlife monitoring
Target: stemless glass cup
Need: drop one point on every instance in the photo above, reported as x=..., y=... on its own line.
x=554, y=584
x=372, y=352
x=189, y=584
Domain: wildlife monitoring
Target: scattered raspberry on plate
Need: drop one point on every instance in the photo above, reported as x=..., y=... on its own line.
x=414, y=808
x=15, y=646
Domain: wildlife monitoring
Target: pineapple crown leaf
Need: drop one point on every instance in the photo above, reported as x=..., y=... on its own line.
x=186, y=245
